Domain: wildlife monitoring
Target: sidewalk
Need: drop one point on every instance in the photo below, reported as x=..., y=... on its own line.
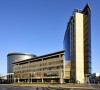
x=69, y=85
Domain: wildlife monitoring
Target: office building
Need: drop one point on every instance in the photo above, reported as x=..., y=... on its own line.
x=45, y=69
x=77, y=43
x=73, y=64
x=14, y=57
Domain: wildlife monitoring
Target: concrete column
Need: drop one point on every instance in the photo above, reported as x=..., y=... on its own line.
x=18, y=80
x=10, y=78
x=14, y=80
x=42, y=80
x=61, y=80
x=31, y=79
x=61, y=77
x=28, y=80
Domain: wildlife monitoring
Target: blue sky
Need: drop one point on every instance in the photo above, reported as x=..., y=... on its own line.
x=38, y=27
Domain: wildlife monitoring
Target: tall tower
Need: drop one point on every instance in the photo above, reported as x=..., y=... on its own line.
x=77, y=43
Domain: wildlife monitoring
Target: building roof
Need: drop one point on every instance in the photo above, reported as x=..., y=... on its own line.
x=62, y=51
x=86, y=7
x=18, y=53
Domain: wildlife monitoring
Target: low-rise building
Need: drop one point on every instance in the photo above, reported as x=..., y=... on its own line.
x=45, y=68
x=14, y=57
x=3, y=79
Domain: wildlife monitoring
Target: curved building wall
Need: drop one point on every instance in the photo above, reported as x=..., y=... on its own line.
x=67, y=53
x=14, y=57
x=67, y=44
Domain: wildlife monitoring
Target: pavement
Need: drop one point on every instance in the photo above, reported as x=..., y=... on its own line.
x=49, y=87
x=34, y=88
x=95, y=86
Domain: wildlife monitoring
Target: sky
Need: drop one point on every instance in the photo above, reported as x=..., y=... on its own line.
x=38, y=27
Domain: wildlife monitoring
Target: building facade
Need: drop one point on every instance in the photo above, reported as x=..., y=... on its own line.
x=77, y=43
x=73, y=64
x=14, y=57
x=45, y=69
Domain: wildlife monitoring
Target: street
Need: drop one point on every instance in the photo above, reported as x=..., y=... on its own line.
x=95, y=86
x=5, y=87
x=12, y=87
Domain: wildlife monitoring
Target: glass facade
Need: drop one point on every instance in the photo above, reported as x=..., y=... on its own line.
x=67, y=44
x=70, y=43
x=87, y=41
x=67, y=53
